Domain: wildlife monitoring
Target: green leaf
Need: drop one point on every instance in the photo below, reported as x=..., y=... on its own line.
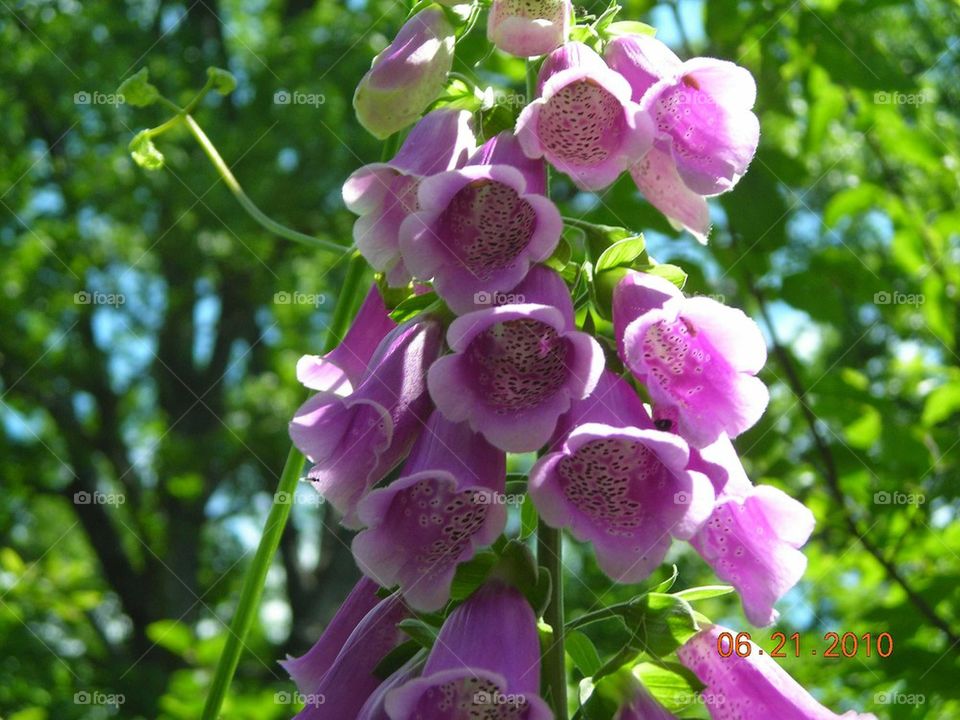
x=704, y=592
x=673, y=685
x=863, y=432
x=138, y=91
x=628, y=27
x=412, y=306
x=943, y=402
x=583, y=652
x=144, y=152
x=470, y=575
x=223, y=81
x=661, y=623
x=672, y=273
x=423, y=633
x=623, y=253
x=665, y=585
x=171, y=635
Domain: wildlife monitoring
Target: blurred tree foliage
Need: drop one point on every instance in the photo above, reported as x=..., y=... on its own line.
x=844, y=238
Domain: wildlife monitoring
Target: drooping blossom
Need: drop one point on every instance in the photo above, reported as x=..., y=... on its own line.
x=694, y=354
x=354, y=441
x=706, y=133
x=752, y=537
x=621, y=484
x=516, y=368
x=485, y=663
x=341, y=369
x=407, y=76
x=584, y=122
x=754, y=687
x=527, y=28
x=336, y=675
x=441, y=509
x=479, y=228
x=384, y=194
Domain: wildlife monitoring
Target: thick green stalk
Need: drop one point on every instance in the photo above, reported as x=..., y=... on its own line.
x=550, y=556
x=256, y=213
x=277, y=519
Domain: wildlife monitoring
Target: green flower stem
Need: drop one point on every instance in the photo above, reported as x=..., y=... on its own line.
x=550, y=555
x=247, y=204
x=277, y=519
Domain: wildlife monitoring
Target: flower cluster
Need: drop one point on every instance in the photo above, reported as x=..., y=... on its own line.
x=409, y=431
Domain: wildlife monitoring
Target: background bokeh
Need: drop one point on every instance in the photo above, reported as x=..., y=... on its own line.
x=145, y=354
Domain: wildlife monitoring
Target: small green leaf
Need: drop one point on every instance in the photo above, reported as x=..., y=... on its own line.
x=171, y=635
x=223, y=81
x=670, y=272
x=137, y=90
x=412, y=306
x=423, y=633
x=144, y=152
x=670, y=683
x=470, y=575
x=943, y=402
x=665, y=585
x=704, y=592
x=661, y=623
x=583, y=652
x=628, y=27
x=623, y=253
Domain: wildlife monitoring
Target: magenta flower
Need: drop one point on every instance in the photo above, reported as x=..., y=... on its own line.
x=485, y=663
x=753, y=535
x=354, y=441
x=701, y=108
x=584, y=122
x=480, y=227
x=751, y=687
x=341, y=369
x=336, y=675
x=435, y=516
x=693, y=354
x=621, y=484
x=407, y=76
x=384, y=194
x=374, y=708
x=657, y=178
x=527, y=28
x=516, y=368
